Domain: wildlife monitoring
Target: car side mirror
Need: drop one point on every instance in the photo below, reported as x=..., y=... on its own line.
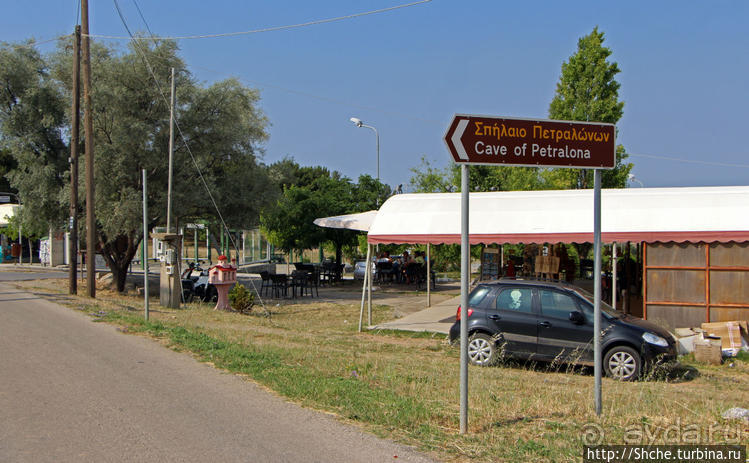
x=577, y=317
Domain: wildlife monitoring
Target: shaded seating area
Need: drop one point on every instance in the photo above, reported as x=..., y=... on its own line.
x=306, y=283
x=384, y=271
x=330, y=272
x=267, y=283
x=417, y=274
x=280, y=285
x=299, y=283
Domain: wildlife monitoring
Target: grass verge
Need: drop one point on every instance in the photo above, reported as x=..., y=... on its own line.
x=404, y=386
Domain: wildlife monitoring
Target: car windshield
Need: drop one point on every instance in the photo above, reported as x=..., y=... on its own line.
x=605, y=308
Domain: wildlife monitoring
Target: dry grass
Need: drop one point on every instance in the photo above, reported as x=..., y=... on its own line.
x=405, y=386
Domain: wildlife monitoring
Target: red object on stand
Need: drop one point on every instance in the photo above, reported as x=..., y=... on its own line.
x=222, y=276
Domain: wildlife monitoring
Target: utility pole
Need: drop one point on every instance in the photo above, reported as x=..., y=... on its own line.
x=76, y=115
x=89, y=133
x=171, y=156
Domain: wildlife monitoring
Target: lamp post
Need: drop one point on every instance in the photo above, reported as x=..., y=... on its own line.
x=632, y=178
x=357, y=122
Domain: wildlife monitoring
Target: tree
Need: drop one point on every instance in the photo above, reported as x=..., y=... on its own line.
x=428, y=179
x=221, y=125
x=32, y=126
x=313, y=192
x=587, y=91
x=7, y=164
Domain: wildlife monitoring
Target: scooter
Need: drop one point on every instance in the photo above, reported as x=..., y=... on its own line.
x=197, y=285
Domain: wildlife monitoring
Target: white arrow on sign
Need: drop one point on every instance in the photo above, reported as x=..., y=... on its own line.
x=461, y=127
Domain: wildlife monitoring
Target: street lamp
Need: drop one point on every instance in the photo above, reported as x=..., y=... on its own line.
x=632, y=178
x=357, y=122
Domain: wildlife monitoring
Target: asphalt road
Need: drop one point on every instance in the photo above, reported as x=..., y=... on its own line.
x=77, y=391
x=10, y=272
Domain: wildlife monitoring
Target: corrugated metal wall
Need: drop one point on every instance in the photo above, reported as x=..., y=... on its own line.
x=688, y=284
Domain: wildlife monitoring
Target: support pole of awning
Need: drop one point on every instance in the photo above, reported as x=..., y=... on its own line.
x=429, y=275
x=369, y=285
x=364, y=289
x=613, y=275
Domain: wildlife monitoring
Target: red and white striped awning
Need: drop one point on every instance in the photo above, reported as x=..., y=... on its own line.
x=691, y=214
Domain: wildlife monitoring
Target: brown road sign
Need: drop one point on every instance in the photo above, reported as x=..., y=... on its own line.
x=475, y=139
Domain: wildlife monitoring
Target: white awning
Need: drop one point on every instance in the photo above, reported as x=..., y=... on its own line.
x=634, y=214
x=361, y=221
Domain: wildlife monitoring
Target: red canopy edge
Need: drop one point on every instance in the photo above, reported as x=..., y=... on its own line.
x=649, y=237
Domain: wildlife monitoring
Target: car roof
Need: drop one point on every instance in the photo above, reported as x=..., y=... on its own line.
x=524, y=282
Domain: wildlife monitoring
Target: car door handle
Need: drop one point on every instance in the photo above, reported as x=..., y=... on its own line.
x=494, y=317
x=545, y=324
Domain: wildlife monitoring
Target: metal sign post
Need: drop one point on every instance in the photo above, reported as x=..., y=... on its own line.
x=145, y=243
x=597, y=287
x=474, y=139
x=465, y=275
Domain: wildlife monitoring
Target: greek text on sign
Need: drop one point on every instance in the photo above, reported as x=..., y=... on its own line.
x=475, y=139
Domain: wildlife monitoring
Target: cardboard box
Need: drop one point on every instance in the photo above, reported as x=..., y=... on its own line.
x=684, y=332
x=708, y=351
x=685, y=344
x=728, y=332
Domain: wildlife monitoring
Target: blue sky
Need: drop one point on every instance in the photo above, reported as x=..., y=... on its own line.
x=684, y=72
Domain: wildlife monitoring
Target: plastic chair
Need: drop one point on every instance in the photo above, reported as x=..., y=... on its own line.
x=267, y=284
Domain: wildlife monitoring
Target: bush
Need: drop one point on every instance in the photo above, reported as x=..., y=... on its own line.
x=241, y=299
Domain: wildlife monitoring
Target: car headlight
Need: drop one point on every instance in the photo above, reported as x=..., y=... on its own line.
x=654, y=339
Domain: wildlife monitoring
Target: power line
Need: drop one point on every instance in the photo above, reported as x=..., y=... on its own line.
x=33, y=43
x=267, y=29
x=78, y=13
x=142, y=18
x=274, y=86
x=307, y=94
x=326, y=99
x=689, y=161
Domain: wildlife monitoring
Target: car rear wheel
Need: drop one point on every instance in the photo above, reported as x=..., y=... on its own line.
x=622, y=363
x=482, y=350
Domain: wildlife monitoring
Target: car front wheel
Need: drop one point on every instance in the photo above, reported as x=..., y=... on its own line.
x=482, y=350
x=622, y=363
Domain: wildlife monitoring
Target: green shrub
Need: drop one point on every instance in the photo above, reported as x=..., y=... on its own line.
x=241, y=299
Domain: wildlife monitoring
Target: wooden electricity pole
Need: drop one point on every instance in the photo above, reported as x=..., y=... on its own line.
x=89, y=133
x=171, y=156
x=75, y=117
